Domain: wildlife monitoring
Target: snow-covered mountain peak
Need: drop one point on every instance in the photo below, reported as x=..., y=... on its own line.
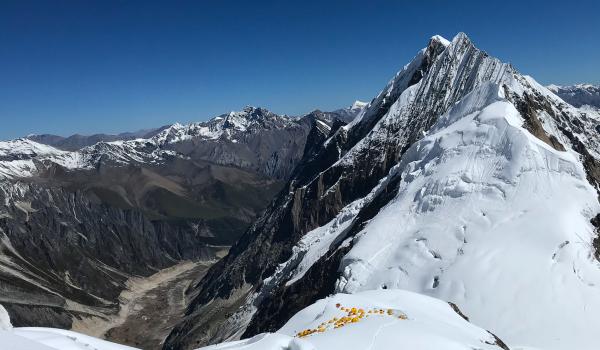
x=461, y=36
x=252, y=112
x=24, y=148
x=348, y=114
x=461, y=40
x=440, y=39
x=256, y=112
x=553, y=87
x=250, y=115
x=249, y=120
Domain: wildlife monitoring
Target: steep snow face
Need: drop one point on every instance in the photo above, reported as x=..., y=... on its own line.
x=493, y=219
x=462, y=67
x=390, y=319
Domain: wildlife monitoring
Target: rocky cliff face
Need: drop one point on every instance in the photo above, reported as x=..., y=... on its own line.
x=304, y=246
x=64, y=255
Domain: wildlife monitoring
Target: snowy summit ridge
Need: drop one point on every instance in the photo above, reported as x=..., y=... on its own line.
x=440, y=39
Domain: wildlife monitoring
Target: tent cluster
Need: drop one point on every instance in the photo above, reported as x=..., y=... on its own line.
x=353, y=315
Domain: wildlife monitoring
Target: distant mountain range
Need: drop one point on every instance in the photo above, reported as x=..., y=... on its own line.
x=580, y=95
x=76, y=142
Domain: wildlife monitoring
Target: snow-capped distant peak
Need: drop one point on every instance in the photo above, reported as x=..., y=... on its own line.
x=248, y=119
x=460, y=36
x=358, y=105
x=440, y=39
x=578, y=95
x=553, y=87
x=349, y=114
x=583, y=86
x=25, y=148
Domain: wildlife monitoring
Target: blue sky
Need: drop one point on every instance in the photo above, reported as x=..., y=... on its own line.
x=110, y=66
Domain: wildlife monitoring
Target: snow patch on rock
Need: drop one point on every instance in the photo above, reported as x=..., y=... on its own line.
x=5, y=324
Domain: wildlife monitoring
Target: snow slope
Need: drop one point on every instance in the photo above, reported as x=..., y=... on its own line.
x=493, y=219
x=53, y=339
x=34, y=338
x=402, y=320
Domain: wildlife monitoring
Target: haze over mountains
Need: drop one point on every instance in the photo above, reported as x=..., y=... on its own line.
x=458, y=209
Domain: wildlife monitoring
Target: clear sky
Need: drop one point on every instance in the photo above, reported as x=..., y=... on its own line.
x=110, y=66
